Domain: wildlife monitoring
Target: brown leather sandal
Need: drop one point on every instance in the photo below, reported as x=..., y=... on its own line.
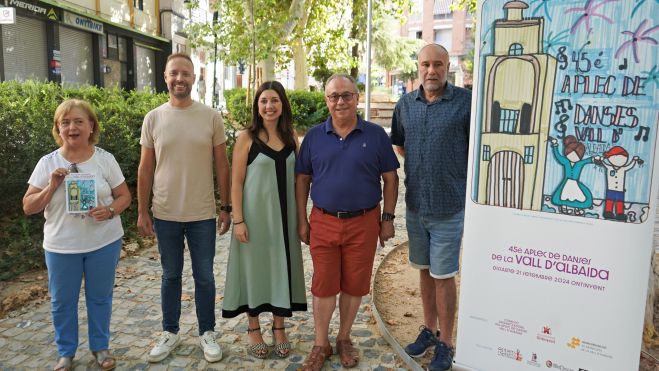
x=316, y=359
x=348, y=353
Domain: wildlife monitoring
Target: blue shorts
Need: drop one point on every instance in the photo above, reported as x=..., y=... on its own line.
x=435, y=243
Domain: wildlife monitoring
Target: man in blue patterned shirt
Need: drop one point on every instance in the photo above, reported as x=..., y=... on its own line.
x=430, y=128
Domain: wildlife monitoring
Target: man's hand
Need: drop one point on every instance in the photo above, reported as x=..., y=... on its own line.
x=144, y=225
x=303, y=230
x=223, y=222
x=386, y=231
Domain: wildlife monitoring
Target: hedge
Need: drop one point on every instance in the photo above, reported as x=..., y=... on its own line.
x=26, y=114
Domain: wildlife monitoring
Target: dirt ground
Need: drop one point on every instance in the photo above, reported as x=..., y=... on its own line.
x=397, y=299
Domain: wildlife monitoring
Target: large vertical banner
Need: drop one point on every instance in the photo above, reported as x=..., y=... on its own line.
x=560, y=215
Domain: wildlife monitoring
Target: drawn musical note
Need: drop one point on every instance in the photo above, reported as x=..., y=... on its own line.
x=623, y=66
x=641, y=130
x=560, y=106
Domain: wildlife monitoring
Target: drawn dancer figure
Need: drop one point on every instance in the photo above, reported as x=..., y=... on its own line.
x=615, y=162
x=571, y=196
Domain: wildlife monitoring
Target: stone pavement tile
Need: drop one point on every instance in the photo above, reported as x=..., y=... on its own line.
x=17, y=359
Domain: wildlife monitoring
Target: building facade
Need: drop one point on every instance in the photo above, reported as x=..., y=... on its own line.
x=109, y=43
x=433, y=21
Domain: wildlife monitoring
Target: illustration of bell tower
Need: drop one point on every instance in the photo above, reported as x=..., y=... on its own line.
x=517, y=91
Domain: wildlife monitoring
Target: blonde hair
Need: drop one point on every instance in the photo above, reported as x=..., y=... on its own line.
x=65, y=108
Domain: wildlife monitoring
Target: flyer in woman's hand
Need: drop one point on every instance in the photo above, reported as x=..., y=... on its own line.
x=80, y=192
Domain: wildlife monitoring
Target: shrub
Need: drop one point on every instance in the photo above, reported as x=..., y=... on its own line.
x=308, y=109
x=26, y=114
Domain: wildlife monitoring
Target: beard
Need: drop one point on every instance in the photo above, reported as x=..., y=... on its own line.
x=178, y=93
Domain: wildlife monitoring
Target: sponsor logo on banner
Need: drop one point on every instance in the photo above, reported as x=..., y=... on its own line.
x=511, y=326
x=534, y=360
x=545, y=335
x=557, y=366
x=574, y=343
x=510, y=354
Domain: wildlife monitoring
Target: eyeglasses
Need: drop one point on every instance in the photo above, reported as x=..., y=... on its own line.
x=73, y=168
x=347, y=97
x=77, y=122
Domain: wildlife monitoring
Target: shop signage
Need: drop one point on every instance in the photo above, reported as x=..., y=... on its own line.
x=81, y=22
x=36, y=9
x=7, y=15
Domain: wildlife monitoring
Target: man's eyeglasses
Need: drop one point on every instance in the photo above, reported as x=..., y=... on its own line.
x=73, y=168
x=347, y=97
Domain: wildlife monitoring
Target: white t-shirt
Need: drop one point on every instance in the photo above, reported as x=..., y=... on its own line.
x=74, y=233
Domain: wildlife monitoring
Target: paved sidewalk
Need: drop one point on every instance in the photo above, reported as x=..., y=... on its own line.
x=26, y=338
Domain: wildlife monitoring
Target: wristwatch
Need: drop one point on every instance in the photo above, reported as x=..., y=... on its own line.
x=111, y=210
x=226, y=208
x=386, y=217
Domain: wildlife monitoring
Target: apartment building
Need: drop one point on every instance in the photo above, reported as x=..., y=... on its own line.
x=108, y=43
x=435, y=21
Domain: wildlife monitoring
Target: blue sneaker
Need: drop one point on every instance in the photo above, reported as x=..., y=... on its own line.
x=425, y=340
x=443, y=358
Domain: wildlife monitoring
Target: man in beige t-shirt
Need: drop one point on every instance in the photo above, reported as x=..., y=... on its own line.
x=182, y=142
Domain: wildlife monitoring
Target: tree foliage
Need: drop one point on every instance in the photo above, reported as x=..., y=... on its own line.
x=391, y=51
x=332, y=32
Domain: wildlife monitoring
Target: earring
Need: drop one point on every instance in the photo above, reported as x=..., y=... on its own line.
x=91, y=131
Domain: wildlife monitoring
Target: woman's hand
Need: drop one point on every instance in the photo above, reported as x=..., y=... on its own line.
x=57, y=177
x=100, y=213
x=240, y=232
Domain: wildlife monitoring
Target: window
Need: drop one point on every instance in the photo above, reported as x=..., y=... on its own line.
x=442, y=9
x=508, y=120
x=123, y=49
x=419, y=34
x=138, y=4
x=444, y=37
x=113, y=48
x=516, y=49
x=528, y=154
x=486, y=153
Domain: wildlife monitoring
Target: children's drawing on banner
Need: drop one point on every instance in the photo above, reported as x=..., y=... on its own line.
x=567, y=121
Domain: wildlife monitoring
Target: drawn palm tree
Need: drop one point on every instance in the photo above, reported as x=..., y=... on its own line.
x=544, y=4
x=637, y=37
x=552, y=41
x=638, y=5
x=588, y=11
x=652, y=75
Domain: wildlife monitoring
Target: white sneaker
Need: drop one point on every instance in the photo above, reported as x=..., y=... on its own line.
x=212, y=350
x=166, y=343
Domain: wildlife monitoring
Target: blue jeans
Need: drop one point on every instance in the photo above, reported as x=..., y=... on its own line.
x=201, y=243
x=65, y=274
x=435, y=243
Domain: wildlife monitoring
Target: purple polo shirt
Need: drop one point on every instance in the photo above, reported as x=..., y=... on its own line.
x=345, y=174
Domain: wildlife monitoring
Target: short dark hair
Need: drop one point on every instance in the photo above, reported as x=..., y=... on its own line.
x=179, y=55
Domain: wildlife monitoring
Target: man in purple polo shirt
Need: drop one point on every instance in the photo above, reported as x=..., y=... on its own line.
x=342, y=160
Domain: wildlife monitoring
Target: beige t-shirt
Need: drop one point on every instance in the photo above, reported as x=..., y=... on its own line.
x=183, y=139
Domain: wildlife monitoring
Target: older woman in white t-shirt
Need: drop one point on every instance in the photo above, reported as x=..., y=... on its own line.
x=82, y=233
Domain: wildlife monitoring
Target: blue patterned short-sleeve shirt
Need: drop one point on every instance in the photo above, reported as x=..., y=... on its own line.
x=435, y=137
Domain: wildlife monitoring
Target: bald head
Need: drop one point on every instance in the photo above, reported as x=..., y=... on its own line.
x=433, y=69
x=437, y=47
